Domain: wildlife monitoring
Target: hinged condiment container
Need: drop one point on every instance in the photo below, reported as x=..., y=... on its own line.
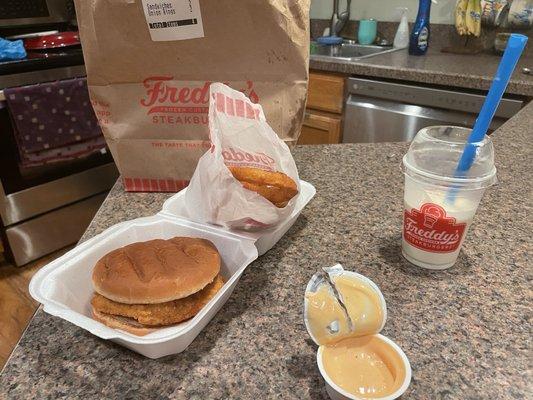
x=394, y=358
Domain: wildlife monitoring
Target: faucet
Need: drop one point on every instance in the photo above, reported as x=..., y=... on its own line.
x=338, y=20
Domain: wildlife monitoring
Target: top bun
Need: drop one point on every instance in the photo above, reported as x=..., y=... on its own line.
x=156, y=271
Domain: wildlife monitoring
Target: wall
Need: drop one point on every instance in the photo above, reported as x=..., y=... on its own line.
x=384, y=10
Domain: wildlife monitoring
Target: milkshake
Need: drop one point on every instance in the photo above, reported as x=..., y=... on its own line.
x=438, y=206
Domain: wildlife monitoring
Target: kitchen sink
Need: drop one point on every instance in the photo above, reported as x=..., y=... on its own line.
x=347, y=51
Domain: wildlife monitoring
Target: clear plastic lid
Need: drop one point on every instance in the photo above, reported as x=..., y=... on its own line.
x=435, y=152
x=340, y=304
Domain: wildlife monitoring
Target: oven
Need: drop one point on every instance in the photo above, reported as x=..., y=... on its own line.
x=44, y=205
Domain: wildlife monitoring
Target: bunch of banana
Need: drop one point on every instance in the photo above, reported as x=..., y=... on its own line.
x=468, y=17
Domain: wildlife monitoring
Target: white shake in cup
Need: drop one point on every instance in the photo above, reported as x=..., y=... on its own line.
x=438, y=206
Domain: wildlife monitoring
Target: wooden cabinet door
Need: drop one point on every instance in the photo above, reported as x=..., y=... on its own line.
x=320, y=128
x=326, y=92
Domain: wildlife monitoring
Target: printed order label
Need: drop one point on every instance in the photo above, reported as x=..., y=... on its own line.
x=173, y=19
x=431, y=229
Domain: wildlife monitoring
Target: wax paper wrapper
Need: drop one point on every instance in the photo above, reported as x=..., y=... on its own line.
x=240, y=136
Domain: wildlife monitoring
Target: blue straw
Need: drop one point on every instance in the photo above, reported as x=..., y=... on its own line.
x=510, y=57
x=512, y=53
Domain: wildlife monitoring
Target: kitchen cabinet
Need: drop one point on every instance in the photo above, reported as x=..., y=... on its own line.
x=323, y=116
x=326, y=92
x=320, y=128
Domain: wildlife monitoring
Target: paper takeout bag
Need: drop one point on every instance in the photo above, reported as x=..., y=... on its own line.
x=240, y=137
x=150, y=64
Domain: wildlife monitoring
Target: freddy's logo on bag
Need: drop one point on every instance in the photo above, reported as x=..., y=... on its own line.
x=430, y=229
x=158, y=90
x=188, y=104
x=238, y=158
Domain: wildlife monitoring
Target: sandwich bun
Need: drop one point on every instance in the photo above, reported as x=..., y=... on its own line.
x=123, y=323
x=156, y=271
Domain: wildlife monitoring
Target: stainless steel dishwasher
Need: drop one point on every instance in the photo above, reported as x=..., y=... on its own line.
x=380, y=111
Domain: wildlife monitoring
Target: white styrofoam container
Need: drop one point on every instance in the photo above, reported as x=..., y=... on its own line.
x=265, y=239
x=65, y=288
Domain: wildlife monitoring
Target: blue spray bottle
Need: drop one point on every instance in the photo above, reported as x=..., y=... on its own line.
x=419, y=39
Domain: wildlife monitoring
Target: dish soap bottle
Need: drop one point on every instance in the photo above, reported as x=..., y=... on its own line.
x=401, y=39
x=419, y=40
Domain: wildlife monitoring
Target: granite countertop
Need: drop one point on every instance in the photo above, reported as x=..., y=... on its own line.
x=466, y=330
x=465, y=71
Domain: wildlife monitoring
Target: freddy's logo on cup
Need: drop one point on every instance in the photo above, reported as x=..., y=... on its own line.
x=239, y=158
x=430, y=229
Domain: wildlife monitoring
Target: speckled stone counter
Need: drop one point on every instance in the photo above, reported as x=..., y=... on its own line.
x=466, y=330
x=466, y=71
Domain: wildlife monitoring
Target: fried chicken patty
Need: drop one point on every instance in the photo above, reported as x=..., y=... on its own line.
x=170, y=312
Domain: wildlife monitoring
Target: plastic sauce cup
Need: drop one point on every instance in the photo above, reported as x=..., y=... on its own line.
x=335, y=392
x=394, y=357
x=438, y=206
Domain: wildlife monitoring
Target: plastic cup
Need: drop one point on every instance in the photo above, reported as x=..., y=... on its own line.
x=367, y=31
x=438, y=206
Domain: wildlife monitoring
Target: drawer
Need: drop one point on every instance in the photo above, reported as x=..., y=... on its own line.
x=320, y=128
